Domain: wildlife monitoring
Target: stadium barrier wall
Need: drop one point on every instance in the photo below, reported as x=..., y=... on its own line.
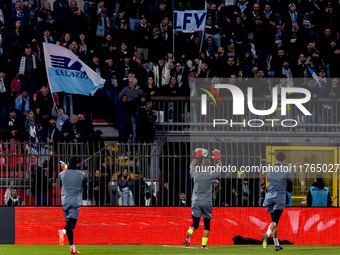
x=160, y=163
x=7, y=225
x=168, y=225
x=187, y=117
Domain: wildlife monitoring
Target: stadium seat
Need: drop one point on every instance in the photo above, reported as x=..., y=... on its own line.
x=16, y=162
x=12, y=174
x=15, y=85
x=12, y=147
x=2, y=162
x=31, y=161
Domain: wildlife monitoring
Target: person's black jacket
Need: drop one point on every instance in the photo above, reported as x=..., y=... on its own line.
x=11, y=202
x=313, y=90
x=68, y=132
x=48, y=19
x=260, y=87
x=143, y=76
x=136, y=8
x=11, y=125
x=145, y=125
x=138, y=191
x=101, y=196
x=109, y=73
x=167, y=90
x=143, y=36
x=220, y=197
x=85, y=129
x=148, y=90
x=77, y=23
x=51, y=133
x=45, y=104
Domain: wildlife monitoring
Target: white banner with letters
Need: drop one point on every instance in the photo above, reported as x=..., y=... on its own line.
x=189, y=21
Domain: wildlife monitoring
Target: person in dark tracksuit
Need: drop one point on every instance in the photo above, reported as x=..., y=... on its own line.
x=71, y=181
x=202, y=194
x=318, y=194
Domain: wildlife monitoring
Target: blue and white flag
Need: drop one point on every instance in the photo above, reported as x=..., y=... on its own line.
x=189, y=21
x=67, y=73
x=314, y=75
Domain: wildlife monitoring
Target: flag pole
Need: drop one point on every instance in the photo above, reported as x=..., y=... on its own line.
x=173, y=31
x=205, y=8
x=48, y=78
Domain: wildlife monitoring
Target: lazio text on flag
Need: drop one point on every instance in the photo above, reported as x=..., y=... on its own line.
x=67, y=73
x=189, y=21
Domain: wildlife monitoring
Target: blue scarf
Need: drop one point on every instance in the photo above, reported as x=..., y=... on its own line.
x=269, y=13
x=101, y=26
x=243, y=7
x=18, y=103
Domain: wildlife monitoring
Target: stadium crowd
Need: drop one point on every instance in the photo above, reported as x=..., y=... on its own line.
x=130, y=44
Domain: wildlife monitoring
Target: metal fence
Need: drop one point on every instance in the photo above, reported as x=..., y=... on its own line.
x=159, y=174
x=182, y=115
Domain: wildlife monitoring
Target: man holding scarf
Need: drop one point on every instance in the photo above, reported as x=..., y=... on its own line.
x=28, y=71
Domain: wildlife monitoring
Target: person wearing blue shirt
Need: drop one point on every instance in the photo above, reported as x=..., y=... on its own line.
x=318, y=194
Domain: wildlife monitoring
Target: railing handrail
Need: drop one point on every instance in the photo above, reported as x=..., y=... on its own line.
x=230, y=99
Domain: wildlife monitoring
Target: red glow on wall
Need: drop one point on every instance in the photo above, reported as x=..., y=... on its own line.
x=168, y=225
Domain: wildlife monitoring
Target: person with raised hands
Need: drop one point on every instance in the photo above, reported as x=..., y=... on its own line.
x=201, y=200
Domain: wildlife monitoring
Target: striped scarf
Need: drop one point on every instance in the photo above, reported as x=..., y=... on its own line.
x=23, y=64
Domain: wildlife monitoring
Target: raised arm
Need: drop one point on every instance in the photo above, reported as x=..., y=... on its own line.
x=216, y=156
x=197, y=154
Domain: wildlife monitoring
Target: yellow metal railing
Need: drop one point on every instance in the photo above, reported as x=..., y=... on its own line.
x=306, y=162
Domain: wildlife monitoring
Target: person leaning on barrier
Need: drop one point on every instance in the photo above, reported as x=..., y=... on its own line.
x=8, y=192
x=145, y=119
x=14, y=200
x=140, y=188
x=318, y=194
x=218, y=194
x=125, y=184
x=87, y=192
x=182, y=200
x=242, y=191
x=100, y=189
